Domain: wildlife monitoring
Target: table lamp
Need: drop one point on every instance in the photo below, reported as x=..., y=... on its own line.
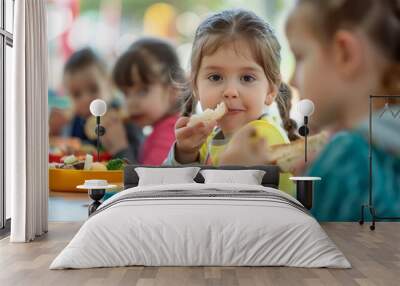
x=98, y=108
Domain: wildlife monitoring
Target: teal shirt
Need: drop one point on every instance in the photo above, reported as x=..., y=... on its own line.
x=343, y=166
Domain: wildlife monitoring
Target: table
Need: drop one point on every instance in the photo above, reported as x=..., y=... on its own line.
x=304, y=190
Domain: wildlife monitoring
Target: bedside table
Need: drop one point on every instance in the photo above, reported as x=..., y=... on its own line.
x=304, y=189
x=96, y=195
x=96, y=190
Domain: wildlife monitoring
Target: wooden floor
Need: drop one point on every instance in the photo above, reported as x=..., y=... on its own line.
x=375, y=257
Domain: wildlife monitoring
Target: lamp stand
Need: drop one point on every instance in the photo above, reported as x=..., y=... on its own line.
x=100, y=131
x=304, y=131
x=96, y=195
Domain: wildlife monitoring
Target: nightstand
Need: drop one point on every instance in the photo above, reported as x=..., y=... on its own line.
x=96, y=190
x=304, y=190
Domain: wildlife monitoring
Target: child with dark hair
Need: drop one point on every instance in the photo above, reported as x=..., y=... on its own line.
x=85, y=79
x=149, y=75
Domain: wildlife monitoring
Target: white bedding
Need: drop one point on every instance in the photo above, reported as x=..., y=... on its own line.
x=183, y=231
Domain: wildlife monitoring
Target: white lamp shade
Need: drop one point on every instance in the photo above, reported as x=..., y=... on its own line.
x=98, y=107
x=305, y=107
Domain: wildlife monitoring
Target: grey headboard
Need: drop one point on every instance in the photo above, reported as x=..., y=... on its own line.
x=270, y=179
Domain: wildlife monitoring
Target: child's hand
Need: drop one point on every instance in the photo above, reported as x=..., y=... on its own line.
x=300, y=168
x=115, y=139
x=245, y=148
x=190, y=139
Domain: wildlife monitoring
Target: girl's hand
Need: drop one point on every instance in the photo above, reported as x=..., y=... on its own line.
x=190, y=139
x=115, y=139
x=245, y=148
x=300, y=168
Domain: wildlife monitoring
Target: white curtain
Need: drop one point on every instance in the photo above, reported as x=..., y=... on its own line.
x=27, y=124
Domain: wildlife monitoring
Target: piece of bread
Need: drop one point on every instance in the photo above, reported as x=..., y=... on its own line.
x=97, y=166
x=288, y=156
x=208, y=115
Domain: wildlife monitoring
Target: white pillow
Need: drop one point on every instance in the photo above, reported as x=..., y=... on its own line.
x=163, y=176
x=249, y=177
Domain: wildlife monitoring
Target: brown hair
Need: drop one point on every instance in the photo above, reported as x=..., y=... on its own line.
x=228, y=26
x=149, y=61
x=83, y=58
x=380, y=19
x=284, y=102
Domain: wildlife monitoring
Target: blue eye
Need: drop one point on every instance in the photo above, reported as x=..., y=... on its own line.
x=215, y=77
x=248, y=78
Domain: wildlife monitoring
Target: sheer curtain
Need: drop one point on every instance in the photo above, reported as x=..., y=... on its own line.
x=27, y=124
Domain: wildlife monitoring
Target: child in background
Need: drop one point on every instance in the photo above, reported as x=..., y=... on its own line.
x=147, y=74
x=86, y=79
x=58, y=113
x=346, y=51
x=235, y=60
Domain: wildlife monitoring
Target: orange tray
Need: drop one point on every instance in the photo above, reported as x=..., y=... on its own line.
x=66, y=180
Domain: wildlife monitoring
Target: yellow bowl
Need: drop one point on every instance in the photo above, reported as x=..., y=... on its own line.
x=66, y=180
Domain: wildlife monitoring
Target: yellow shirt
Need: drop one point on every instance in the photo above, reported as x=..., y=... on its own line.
x=266, y=127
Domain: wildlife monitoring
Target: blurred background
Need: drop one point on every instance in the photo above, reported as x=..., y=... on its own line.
x=110, y=26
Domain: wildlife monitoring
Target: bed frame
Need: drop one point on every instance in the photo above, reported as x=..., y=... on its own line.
x=270, y=179
x=304, y=189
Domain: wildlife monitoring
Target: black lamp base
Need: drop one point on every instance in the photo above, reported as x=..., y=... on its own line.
x=100, y=131
x=96, y=195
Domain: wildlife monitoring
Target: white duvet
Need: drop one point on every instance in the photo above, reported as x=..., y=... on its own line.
x=185, y=231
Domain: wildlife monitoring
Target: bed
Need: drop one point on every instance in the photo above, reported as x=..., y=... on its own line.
x=201, y=224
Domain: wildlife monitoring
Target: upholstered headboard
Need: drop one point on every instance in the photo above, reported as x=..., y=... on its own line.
x=270, y=179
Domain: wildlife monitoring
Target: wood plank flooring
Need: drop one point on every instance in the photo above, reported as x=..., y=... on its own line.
x=375, y=257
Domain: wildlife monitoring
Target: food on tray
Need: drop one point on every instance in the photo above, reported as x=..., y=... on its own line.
x=86, y=163
x=70, y=160
x=97, y=166
x=78, y=165
x=115, y=164
x=60, y=147
x=288, y=156
x=208, y=115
